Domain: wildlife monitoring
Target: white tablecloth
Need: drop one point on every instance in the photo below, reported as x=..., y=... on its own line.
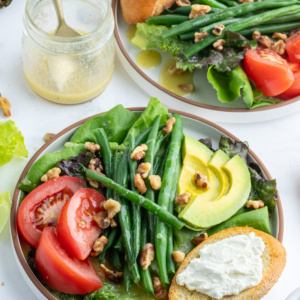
x=277, y=143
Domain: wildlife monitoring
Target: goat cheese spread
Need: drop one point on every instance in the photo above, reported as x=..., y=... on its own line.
x=226, y=267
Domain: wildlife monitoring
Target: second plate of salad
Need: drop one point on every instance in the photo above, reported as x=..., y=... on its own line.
x=253, y=76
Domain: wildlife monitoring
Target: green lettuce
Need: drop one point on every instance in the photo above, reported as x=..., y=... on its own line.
x=11, y=142
x=5, y=205
x=116, y=123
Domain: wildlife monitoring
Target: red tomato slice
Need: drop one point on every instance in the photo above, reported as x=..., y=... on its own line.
x=292, y=47
x=62, y=271
x=41, y=207
x=268, y=70
x=294, y=89
x=76, y=229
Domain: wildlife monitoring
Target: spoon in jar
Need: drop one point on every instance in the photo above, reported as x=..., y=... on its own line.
x=63, y=29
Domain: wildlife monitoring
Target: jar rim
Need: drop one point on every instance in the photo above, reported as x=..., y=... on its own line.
x=61, y=39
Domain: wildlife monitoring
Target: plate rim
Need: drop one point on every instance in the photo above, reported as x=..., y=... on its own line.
x=115, y=5
x=15, y=199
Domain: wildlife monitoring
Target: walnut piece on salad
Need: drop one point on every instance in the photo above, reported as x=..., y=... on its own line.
x=5, y=106
x=51, y=174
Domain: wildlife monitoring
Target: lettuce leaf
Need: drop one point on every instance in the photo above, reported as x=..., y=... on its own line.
x=11, y=142
x=116, y=123
x=5, y=205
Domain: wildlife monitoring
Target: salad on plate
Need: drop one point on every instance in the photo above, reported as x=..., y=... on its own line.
x=247, y=48
x=114, y=213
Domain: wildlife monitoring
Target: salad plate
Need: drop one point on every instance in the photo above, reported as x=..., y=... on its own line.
x=193, y=126
x=203, y=101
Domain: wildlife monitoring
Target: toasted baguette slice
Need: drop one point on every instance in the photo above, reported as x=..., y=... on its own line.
x=136, y=11
x=274, y=259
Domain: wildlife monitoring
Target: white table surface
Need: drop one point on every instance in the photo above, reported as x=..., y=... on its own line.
x=276, y=142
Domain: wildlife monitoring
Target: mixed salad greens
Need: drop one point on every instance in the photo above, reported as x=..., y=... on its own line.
x=144, y=217
x=222, y=53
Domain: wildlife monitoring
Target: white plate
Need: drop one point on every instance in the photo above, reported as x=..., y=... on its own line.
x=193, y=126
x=203, y=101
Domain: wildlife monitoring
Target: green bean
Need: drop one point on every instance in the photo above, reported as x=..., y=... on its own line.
x=266, y=29
x=142, y=137
x=164, y=197
x=107, y=155
x=214, y=3
x=111, y=239
x=149, y=158
x=167, y=20
x=229, y=3
x=163, y=214
x=146, y=278
x=284, y=19
x=160, y=141
x=191, y=35
x=136, y=209
x=225, y=14
x=245, y=23
x=186, y=10
x=170, y=261
x=116, y=261
x=127, y=278
x=119, y=244
x=160, y=159
x=124, y=214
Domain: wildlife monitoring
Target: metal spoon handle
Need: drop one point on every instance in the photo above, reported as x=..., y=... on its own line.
x=59, y=11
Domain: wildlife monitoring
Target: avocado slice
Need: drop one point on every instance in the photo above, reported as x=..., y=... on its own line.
x=203, y=213
x=196, y=157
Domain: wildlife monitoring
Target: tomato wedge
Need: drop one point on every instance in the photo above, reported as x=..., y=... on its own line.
x=294, y=89
x=62, y=271
x=76, y=229
x=292, y=47
x=41, y=207
x=268, y=70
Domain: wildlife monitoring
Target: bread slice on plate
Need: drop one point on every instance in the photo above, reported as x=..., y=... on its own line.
x=273, y=258
x=136, y=11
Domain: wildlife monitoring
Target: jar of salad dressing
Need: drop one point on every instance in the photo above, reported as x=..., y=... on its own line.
x=68, y=70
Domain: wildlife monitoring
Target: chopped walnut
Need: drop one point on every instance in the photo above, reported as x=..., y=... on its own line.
x=201, y=180
x=159, y=292
x=113, y=223
x=144, y=169
x=278, y=47
x=155, y=181
x=100, y=244
x=5, y=106
x=186, y=87
x=183, y=198
x=255, y=204
x=102, y=219
x=48, y=136
x=279, y=36
x=199, y=10
x=172, y=70
x=199, y=239
x=113, y=276
x=183, y=2
x=245, y=1
x=140, y=184
x=139, y=152
x=112, y=207
x=218, y=45
x=51, y=174
x=95, y=165
x=218, y=29
x=91, y=146
x=199, y=36
x=256, y=35
x=265, y=41
x=147, y=256
x=178, y=257
x=169, y=126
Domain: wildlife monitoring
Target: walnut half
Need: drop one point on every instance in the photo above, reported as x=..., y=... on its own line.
x=147, y=255
x=51, y=174
x=113, y=276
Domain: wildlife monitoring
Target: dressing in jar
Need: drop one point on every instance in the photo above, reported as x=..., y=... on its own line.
x=68, y=70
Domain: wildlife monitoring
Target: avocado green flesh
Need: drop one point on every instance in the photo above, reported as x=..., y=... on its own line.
x=204, y=214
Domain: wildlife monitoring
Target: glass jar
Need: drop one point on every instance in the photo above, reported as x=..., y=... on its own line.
x=68, y=70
